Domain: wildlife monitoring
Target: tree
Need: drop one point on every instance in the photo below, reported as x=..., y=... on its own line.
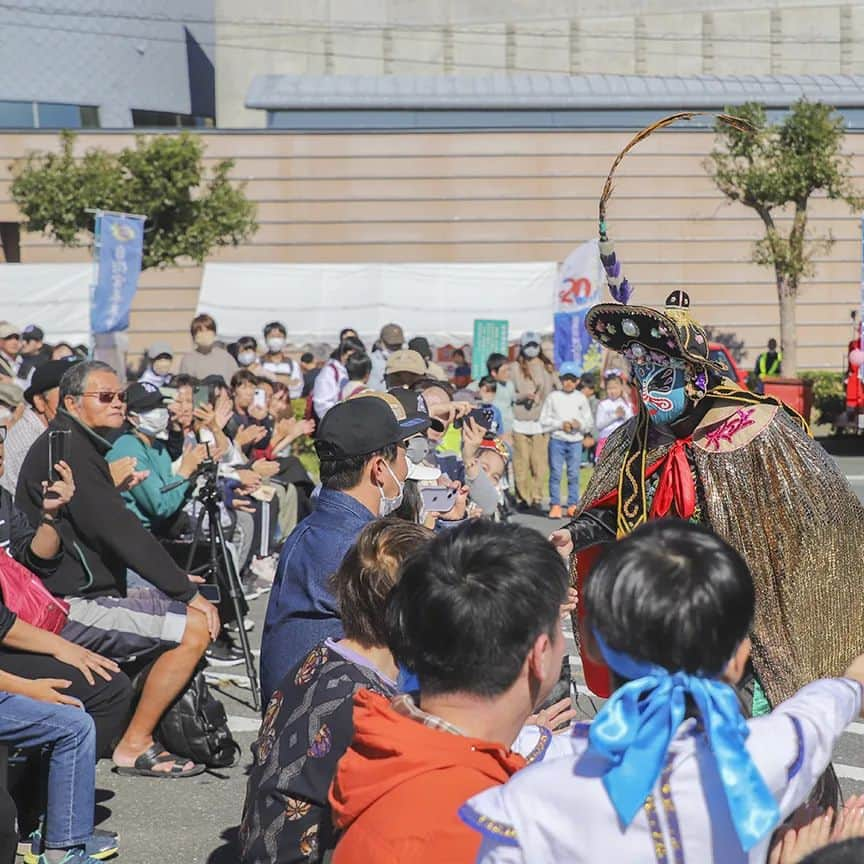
x=189, y=211
x=775, y=170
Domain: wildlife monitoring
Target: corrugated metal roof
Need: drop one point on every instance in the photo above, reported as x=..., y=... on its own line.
x=526, y=92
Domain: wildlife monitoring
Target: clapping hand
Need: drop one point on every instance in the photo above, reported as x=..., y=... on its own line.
x=60, y=492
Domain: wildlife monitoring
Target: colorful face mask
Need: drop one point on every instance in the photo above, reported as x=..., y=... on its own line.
x=662, y=390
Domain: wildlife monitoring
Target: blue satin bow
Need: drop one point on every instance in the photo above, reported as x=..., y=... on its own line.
x=633, y=731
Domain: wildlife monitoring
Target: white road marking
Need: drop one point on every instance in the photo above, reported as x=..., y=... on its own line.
x=855, y=728
x=849, y=772
x=243, y=724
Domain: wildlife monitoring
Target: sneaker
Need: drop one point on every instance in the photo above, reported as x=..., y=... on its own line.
x=253, y=587
x=572, y=509
x=555, y=511
x=265, y=568
x=248, y=626
x=101, y=845
x=73, y=856
x=223, y=652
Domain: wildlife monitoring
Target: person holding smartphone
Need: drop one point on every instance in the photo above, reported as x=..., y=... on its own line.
x=102, y=541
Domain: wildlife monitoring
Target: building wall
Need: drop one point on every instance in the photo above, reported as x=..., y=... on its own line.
x=501, y=196
x=433, y=37
x=132, y=56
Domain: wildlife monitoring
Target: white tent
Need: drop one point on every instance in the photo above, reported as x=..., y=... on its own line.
x=56, y=297
x=439, y=301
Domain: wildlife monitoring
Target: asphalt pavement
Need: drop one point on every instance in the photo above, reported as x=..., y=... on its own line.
x=196, y=820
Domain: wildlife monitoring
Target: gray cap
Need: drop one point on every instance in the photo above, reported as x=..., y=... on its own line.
x=159, y=348
x=11, y=395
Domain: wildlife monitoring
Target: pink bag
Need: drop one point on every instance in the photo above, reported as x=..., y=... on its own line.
x=26, y=596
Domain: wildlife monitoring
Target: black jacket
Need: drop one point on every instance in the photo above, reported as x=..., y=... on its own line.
x=101, y=537
x=15, y=536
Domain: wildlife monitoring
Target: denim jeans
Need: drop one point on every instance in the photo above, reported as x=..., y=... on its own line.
x=70, y=736
x=561, y=453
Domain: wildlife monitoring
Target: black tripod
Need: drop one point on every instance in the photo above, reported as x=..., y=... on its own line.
x=220, y=562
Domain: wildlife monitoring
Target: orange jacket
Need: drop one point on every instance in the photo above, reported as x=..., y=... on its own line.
x=399, y=787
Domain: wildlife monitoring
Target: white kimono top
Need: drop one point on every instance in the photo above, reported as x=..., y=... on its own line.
x=558, y=811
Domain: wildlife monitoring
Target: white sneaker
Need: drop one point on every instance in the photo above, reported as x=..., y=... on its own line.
x=248, y=625
x=265, y=568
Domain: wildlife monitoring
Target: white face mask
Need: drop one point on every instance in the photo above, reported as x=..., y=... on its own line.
x=275, y=343
x=246, y=358
x=153, y=423
x=531, y=351
x=387, y=505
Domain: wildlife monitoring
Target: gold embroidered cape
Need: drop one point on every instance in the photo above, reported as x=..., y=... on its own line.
x=776, y=496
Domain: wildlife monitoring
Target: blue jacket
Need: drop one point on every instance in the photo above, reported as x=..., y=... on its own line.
x=302, y=611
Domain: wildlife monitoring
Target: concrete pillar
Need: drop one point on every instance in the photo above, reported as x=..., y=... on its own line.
x=641, y=45
x=776, y=48
x=575, y=47
x=708, y=47
x=510, y=48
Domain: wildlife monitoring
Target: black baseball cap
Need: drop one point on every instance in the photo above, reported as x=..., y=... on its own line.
x=361, y=426
x=411, y=402
x=48, y=375
x=32, y=333
x=143, y=396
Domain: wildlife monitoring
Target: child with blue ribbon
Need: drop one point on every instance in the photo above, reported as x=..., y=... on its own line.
x=670, y=770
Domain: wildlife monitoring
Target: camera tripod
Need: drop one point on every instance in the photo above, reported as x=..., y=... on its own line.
x=221, y=563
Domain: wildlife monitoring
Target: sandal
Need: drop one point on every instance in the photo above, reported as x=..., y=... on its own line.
x=157, y=755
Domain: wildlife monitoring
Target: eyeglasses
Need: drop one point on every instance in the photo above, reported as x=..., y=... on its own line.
x=3, y=431
x=106, y=397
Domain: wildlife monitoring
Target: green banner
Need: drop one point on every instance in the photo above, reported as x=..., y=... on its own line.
x=490, y=337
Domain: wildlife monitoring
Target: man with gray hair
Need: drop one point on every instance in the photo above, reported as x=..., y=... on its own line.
x=102, y=540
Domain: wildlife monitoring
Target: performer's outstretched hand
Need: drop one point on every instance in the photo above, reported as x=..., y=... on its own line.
x=563, y=542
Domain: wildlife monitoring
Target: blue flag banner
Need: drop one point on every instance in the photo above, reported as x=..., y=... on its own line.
x=120, y=240
x=572, y=341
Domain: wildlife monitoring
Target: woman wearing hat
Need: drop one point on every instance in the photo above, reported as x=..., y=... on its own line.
x=533, y=377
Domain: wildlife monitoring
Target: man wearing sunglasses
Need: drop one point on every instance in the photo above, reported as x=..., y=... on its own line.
x=102, y=540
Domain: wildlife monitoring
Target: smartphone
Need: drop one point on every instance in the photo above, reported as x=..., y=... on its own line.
x=210, y=592
x=259, y=400
x=438, y=499
x=483, y=416
x=58, y=451
x=201, y=396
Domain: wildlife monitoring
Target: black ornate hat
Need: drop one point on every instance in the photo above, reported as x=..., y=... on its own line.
x=646, y=335
x=640, y=333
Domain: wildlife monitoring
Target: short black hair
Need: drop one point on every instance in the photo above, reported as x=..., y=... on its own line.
x=344, y=331
x=587, y=380
x=184, y=380
x=674, y=594
x=471, y=603
x=772, y=344
x=358, y=366
x=495, y=361
x=845, y=852
x=273, y=327
x=247, y=342
x=307, y=357
x=242, y=376
x=489, y=383
x=345, y=472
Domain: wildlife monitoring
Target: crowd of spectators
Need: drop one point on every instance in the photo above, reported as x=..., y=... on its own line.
x=412, y=650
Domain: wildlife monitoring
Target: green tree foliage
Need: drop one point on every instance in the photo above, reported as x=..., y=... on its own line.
x=189, y=211
x=775, y=171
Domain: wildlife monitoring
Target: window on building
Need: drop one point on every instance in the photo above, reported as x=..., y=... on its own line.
x=48, y=115
x=169, y=120
x=10, y=242
x=60, y=115
x=17, y=115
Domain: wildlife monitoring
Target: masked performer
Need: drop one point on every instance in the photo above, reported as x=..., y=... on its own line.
x=703, y=449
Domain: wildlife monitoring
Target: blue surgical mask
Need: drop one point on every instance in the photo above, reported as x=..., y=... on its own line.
x=662, y=390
